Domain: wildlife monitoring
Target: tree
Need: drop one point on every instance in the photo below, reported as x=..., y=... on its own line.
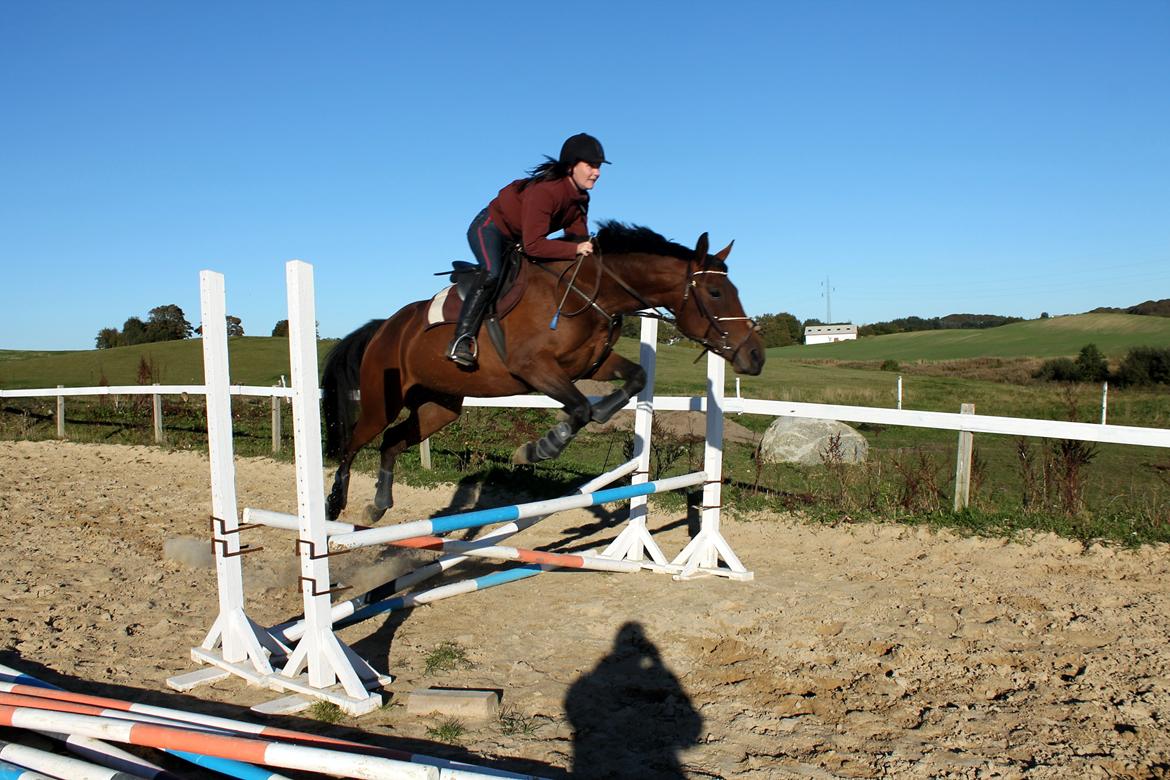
x=107, y=338
x=134, y=331
x=779, y=330
x=280, y=329
x=234, y=326
x=1092, y=365
x=167, y=323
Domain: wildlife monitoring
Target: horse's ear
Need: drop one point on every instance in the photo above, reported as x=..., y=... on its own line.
x=701, y=248
x=722, y=254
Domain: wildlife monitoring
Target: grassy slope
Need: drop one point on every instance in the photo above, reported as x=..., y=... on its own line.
x=1112, y=333
x=262, y=360
x=255, y=360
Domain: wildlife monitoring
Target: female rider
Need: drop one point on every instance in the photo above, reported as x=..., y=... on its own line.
x=555, y=196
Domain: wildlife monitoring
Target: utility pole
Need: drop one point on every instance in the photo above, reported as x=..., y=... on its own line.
x=828, y=301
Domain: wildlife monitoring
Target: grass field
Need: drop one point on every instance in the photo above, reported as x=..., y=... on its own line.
x=1113, y=334
x=1123, y=493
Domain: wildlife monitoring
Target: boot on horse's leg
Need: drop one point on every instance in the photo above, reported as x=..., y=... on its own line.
x=383, y=496
x=464, y=349
x=339, y=494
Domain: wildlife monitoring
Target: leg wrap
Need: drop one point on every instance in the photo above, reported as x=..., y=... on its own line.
x=554, y=442
x=608, y=406
x=338, y=495
x=384, y=491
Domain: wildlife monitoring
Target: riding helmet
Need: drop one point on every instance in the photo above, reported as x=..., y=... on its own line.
x=582, y=146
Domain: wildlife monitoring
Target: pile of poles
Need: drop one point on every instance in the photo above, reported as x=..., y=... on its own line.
x=85, y=724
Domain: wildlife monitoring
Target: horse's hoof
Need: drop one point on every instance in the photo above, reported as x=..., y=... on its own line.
x=373, y=513
x=524, y=455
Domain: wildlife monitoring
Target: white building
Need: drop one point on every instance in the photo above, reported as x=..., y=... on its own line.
x=826, y=334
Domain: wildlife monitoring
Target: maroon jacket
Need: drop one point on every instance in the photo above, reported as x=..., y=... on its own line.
x=541, y=208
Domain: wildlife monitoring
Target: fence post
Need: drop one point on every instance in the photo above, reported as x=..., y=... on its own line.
x=963, y=464
x=158, y=426
x=60, y=414
x=1104, y=401
x=899, y=391
x=275, y=423
x=424, y=453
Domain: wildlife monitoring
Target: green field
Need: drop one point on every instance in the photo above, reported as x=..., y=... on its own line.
x=1054, y=337
x=1122, y=493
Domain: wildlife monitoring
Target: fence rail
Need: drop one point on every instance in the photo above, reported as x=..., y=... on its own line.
x=953, y=421
x=965, y=422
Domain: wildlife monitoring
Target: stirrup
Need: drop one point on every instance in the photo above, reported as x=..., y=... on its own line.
x=462, y=358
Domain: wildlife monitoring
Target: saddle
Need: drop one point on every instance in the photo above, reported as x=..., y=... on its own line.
x=513, y=280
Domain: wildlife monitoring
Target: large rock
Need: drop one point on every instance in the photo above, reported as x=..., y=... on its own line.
x=798, y=440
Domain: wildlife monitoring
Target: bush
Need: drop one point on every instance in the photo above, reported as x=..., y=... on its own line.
x=1145, y=366
x=1092, y=364
x=1059, y=370
x=889, y=364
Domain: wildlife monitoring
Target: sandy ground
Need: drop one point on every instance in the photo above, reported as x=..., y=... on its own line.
x=857, y=651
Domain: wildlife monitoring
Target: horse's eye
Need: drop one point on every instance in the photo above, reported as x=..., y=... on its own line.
x=714, y=292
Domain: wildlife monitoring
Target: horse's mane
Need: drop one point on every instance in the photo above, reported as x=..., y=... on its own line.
x=615, y=237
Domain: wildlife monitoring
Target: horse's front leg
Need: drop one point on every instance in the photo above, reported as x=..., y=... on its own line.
x=633, y=378
x=555, y=384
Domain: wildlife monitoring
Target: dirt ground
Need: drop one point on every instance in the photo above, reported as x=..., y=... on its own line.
x=857, y=651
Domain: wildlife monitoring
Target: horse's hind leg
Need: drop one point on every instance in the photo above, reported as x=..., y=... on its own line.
x=424, y=420
x=369, y=425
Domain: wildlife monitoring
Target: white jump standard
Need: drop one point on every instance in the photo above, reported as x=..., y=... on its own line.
x=305, y=656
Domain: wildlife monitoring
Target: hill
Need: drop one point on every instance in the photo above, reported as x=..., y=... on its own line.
x=1114, y=334
x=255, y=360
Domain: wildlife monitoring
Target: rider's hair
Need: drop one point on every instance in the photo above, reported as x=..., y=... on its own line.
x=549, y=170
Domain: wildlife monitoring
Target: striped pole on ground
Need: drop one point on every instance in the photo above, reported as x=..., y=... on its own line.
x=211, y=723
x=247, y=749
x=58, y=765
x=15, y=681
x=441, y=525
x=11, y=771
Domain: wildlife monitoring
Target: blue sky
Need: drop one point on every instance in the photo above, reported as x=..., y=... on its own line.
x=929, y=157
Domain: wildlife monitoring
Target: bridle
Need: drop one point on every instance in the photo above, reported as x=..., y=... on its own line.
x=723, y=347
x=721, y=344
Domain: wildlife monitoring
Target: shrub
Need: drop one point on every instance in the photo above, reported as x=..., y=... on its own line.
x=1145, y=366
x=889, y=364
x=1058, y=370
x=1092, y=364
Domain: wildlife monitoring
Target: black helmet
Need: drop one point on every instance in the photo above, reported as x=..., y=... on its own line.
x=582, y=146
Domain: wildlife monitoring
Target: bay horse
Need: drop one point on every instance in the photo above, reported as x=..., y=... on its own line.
x=399, y=363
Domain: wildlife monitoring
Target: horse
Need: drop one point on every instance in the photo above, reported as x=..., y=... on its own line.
x=400, y=363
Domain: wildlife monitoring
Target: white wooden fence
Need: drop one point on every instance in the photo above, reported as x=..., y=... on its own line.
x=965, y=422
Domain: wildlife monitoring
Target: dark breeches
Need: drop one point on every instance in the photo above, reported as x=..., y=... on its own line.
x=487, y=244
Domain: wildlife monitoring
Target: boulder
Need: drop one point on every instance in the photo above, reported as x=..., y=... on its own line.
x=799, y=440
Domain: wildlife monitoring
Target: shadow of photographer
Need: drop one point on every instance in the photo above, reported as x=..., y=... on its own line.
x=630, y=715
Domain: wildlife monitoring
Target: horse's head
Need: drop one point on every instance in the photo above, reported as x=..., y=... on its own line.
x=712, y=314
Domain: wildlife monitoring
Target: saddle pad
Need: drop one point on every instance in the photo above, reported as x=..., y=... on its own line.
x=444, y=307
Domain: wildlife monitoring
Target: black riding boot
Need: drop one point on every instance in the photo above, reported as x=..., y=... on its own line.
x=463, y=349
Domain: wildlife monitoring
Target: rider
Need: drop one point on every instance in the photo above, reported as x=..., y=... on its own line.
x=555, y=196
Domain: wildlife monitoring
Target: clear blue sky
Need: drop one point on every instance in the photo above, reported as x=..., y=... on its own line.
x=930, y=157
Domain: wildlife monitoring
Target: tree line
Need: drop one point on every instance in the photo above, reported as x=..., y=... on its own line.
x=163, y=323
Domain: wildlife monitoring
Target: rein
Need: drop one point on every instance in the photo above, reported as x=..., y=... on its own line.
x=714, y=322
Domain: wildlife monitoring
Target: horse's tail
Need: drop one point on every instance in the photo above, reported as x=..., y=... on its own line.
x=340, y=379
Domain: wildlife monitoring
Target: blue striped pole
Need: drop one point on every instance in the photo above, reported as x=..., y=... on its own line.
x=443, y=592
x=10, y=771
x=96, y=750
x=503, y=514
